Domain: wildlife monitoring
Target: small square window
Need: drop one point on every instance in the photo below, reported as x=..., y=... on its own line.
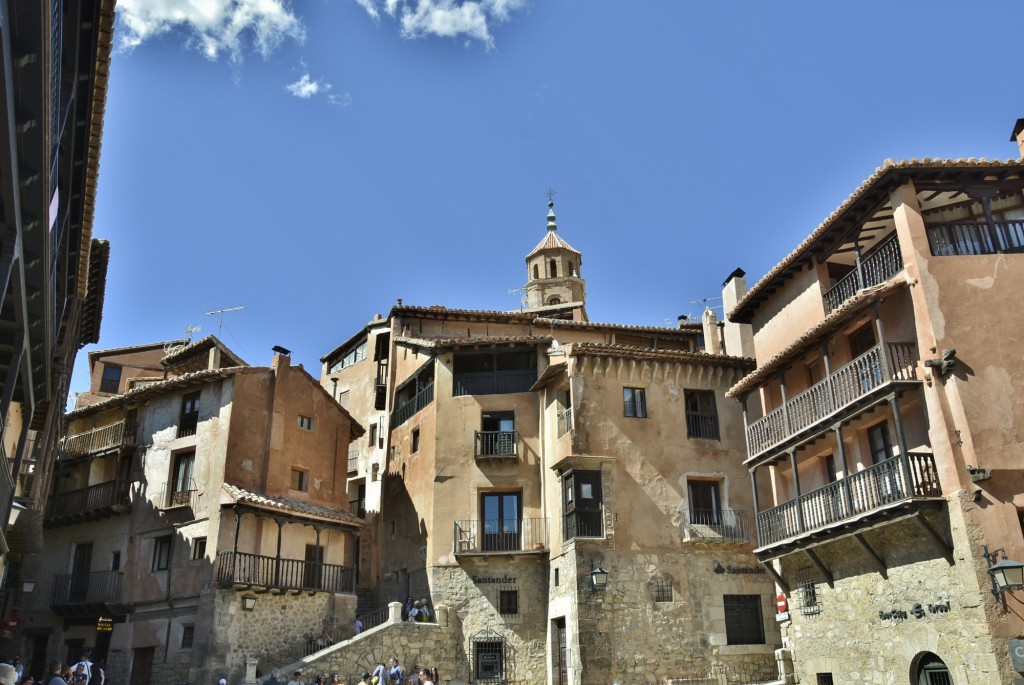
x=198, y=549
x=300, y=480
x=824, y=679
x=416, y=441
x=162, y=553
x=306, y=423
x=188, y=635
x=508, y=602
x=634, y=401
x=662, y=590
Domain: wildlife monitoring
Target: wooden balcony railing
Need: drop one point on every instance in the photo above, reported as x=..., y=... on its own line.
x=97, y=440
x=973, y=238
x=496, y=444
x=494, y=382
x=863, y=492
x=841, y=388
x=254, y=570
x=717, y=525
x=89, y=503
x=883, y=264
x=98, y=587
x=501, y=535
x=410, y=407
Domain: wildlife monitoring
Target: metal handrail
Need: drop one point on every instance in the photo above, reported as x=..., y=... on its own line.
x=500, y=535
x=491, y=444
x=723, y=525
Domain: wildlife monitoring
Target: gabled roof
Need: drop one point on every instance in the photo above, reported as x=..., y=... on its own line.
x=198, y=347
x=96, y=354
x=236, y=495
x=874, y=192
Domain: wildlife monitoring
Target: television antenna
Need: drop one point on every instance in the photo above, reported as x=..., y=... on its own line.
x=704, y=303
x=220, y=313
x=522, y=296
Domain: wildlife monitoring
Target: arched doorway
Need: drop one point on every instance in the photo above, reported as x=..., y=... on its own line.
x=931, y=670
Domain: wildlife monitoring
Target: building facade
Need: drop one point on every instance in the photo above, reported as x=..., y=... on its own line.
x=55, y=58
x=526, y=457
x=884, y=420
x=197, y=523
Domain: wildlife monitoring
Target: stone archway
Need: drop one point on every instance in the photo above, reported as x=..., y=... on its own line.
x=928, y=669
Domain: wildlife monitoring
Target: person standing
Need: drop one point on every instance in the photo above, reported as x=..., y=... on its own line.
x=86, y=665
x=359, y=626
x=296, y=679
x=380, y=674
x=425, y=677
x=56, y=668
x=365, y=679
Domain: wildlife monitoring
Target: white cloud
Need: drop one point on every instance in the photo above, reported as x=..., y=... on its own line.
x=214, y=27
x=305, y=88
x=446, y=18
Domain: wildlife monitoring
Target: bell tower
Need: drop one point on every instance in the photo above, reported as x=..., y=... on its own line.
x=553, y=272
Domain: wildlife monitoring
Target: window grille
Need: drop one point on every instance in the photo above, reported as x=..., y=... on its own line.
x=662, y=590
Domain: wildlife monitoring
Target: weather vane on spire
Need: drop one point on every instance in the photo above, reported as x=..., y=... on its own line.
x=550, y=192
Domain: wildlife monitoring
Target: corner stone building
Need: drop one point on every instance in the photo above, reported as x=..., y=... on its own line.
x=530, y=452
x=885, y=414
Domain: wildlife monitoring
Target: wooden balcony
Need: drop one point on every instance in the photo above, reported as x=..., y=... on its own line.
x=842, y=391
x=412, y=406
x=98, y=441
x=501, y=536
x=716, y=525
x=494, y=382
x=974, y=238
x=884, y=486
x=88, y=594
x=489, y=445
x=884, y=263
x=88, y=504
x=243, y=570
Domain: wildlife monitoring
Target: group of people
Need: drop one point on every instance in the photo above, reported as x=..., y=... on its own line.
x=85, y=672
x=391, y=674
x=418, y=610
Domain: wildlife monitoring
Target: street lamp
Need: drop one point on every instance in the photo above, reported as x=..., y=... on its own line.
x=248, y=603
x=1006, y=574
x=598, y=576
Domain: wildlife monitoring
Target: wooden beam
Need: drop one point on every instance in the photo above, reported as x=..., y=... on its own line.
x=946, y=548
x=779, y=580
x=821, y=567
x=879, y=564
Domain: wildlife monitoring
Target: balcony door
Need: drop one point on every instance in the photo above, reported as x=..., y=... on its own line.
x=887, y=471
x=501, y=514
x=80, y=566
x=498, y=433
x=314, y=572
x=705, y=502
x=181, y=485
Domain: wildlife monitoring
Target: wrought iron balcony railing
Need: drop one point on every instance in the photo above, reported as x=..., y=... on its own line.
x=840, y=389
x=973, y=238
x=98, y=440
x=72, y=590
x=880, y=266
x=255, y=570
x=179, y=494
x=496, y=444
x=88, y=504
x=717, y=525
x=866, y=491
x=501, y=535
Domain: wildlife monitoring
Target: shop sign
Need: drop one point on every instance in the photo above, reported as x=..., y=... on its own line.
x=104, y=624
x=504, y=580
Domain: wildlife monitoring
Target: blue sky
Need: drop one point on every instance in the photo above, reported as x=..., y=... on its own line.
x=315, y=160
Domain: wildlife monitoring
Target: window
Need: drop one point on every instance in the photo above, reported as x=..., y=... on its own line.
x=743, y=622
x=584, y=515
x=111, y=380
x=371, y=436
x=343, y=398
x=825, y=679
x=300, y=480
x=555, y=300
x=501, y=514
x=880, y=443
x=161, y=553
x=188, y=634
x=807, y=593
x=497, y=436
x=115, y=561
x=198, y=549
x=557, y=578
x=189, y=415
x=357, y=354
x=488, y=660
x=182, y=485
x=662, y=590
x=861, y=340
x=536, y=272
x=701, y=417
x=634, y=402
x=494, y=373
x=553, y=268
x=508, y=602
x=416, y=441
x=705, y=502
x=306, y=422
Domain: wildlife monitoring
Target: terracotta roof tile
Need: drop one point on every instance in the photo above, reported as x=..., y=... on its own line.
x=590, y=349
x=552, y=241
x=291, y=506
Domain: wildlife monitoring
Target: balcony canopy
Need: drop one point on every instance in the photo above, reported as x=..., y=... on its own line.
x=306, y=512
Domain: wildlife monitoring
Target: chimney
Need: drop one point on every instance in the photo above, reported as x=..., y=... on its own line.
x=282, y=357
x=739, y=337
x=712, y=342
x=682, y=320
x=1018, y=136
